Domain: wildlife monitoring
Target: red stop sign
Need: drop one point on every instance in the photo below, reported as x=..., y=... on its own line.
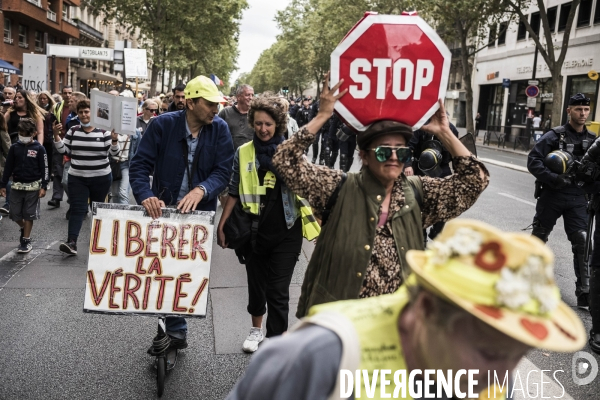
x=395, y=67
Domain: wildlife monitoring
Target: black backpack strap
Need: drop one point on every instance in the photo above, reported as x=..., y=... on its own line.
x=332, y=200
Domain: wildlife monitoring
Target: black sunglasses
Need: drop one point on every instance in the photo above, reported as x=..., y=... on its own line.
x=152, y=109
x=383, y=153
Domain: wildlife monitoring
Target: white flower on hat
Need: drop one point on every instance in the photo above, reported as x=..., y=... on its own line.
x=534, y=280
x=465, y=241
x=512, y=289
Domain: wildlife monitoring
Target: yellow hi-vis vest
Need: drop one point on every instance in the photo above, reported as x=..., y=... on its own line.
x=368, y=330
x=250, y=191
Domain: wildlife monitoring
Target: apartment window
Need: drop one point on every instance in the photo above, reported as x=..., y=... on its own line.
x=585, y=13
x=522, y=31
x=492, y=37
x=502, y=35
x=22, y=34
x=61, y=79
x=552, y=17
x=39, y=40
x=535, y=22
x=7, y=30
x=565, y=9
x=597, y=13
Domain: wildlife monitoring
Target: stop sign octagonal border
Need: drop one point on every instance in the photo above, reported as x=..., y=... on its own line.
x=358, y=31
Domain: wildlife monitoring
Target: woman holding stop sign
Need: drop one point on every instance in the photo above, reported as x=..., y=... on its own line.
x=373, y=217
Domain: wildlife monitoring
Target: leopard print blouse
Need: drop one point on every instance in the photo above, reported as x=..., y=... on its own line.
x=443, y=199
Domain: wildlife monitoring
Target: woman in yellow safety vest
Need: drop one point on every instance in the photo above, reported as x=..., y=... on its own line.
x=283, y=219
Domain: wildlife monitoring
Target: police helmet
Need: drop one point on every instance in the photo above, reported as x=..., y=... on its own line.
x=559, y=161
x=429, y=162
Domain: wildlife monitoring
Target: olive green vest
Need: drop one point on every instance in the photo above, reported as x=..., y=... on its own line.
x=339, y=263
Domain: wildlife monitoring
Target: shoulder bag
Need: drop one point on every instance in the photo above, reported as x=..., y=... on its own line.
x=115, y=165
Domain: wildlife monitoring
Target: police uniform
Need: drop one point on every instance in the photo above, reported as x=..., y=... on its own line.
x=419, y=142
x=559, y=196
x=346, y=147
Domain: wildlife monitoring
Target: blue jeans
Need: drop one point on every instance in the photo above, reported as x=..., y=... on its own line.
x=80, y=190
x=120, y=189
x=176, y=327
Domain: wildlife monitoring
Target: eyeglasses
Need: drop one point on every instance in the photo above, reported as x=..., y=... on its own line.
x=163, y=109
x=383, y=153
x=152, y=109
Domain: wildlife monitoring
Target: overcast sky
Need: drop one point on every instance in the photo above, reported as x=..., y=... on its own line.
x=257, y=32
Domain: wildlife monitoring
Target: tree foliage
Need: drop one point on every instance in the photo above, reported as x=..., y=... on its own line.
x=183, y=36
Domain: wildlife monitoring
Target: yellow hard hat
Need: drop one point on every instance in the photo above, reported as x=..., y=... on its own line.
x=202, y=86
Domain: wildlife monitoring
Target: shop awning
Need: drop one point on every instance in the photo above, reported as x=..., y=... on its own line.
x=84, y=73
x=8, y=68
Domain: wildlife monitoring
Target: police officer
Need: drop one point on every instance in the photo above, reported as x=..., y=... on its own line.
x=346, y=139
x=557, y=195
x=430, y=158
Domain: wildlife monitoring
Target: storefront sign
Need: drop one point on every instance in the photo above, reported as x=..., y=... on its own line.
x=138, y=265
x=547, y=97
x=493, y=75
x=575, y=63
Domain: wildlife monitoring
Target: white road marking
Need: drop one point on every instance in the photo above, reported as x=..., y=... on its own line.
x=25, y=261
x=510, y=196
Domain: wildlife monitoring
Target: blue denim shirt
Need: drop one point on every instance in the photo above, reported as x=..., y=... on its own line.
x=192, y=142
x=291, y=211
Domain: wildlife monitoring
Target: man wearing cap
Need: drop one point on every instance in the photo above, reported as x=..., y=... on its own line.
x=558, y=194
x=371, y=218
x=477, y=299
x=189, y=153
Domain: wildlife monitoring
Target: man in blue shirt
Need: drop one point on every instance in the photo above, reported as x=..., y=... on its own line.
x=190, y=154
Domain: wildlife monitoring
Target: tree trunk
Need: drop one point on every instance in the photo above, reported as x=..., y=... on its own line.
x=153, y=80
x=557, y=98
x=170, y=84
x=466, y=69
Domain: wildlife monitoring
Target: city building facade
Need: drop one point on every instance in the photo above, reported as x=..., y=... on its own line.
x=503, y=71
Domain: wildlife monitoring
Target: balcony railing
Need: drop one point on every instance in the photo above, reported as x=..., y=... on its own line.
x=8, y=40
x=39, y=49
x=36, y=2
x=51, y=15
x=24, y=45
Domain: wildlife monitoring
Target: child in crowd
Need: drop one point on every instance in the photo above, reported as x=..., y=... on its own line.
x=27, y=163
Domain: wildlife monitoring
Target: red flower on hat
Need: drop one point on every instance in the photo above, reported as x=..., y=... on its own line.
x=490, y=257
x=493, y=312
x=536, y=329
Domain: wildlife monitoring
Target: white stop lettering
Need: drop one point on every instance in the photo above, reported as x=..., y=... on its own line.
x=405, y=80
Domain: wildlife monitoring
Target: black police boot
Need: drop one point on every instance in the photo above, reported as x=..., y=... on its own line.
x=343, y=162
x=333, y=159
x=315, y=148
x=539, y=231
x=325, y=155
x=594, y=300
x=582, y=288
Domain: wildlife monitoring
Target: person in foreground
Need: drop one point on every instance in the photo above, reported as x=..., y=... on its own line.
x=478, y=298
x=373, y=217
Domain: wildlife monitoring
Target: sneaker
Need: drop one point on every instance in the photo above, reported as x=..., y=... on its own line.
x=25, y=246
x=582, y=301
x=178, y=343
x=69, y=248
x=253, y=340
x=54, y=203
x=314, y=160
x=5, y=209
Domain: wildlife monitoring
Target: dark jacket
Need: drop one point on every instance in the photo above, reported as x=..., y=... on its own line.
x=547, y=144
x=26, y=163
x=303, y=116
x=141, y=124
x=160, y=153
x=337, y=267
x=418, y=143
